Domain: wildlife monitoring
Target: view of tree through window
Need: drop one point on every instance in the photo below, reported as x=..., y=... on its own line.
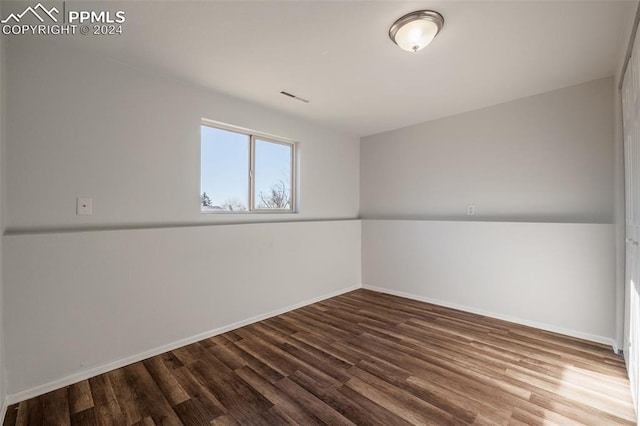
x=273, y=175
x=227, y=158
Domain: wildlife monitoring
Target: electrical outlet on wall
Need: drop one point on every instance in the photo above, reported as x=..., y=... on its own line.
x=84, y=206
x=471, y=209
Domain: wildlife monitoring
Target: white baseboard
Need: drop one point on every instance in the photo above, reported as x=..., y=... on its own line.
x=95, y=371
x=617, y=348
x=547, y=327
x=5, y=405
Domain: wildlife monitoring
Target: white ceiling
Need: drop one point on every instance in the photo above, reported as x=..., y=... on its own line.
x=338, y=54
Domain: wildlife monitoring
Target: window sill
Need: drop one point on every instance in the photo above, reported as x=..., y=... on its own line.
x=254, y=212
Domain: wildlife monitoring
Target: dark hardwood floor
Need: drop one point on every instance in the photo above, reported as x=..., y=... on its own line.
x=360, y=358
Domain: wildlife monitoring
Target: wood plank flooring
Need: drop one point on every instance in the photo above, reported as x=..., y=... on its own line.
x=361, y=358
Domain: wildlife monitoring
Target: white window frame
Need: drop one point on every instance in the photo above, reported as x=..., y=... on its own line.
x=253, y=137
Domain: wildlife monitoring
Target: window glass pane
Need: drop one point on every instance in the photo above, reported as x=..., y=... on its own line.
x=224, y=170
x=272, y=175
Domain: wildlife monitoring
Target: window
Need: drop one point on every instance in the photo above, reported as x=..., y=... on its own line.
x=242, y=171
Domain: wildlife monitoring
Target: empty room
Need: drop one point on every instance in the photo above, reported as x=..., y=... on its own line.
x=319, y=212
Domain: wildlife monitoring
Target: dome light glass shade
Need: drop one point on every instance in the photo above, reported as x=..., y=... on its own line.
x=415, y=30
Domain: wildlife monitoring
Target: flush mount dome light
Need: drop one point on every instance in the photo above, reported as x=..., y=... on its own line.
x=415, y=30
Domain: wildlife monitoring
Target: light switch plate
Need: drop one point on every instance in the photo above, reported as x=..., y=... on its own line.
x=84, y=206
x=471, y=209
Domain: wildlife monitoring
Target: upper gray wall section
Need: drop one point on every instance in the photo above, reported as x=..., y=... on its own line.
x=82, y=125
x=543, y=158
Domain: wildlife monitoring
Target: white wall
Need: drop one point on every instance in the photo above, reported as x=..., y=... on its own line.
x=553, y=276
x=80, y=125
x=544, y=158
x=541, y=248
x=78, y=301
x=147, y=271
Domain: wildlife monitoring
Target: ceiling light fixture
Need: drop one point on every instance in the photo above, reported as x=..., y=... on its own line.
x=415, y=30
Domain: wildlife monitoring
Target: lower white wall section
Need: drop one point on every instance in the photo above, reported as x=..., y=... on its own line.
x=80, y=303
x=553, y=276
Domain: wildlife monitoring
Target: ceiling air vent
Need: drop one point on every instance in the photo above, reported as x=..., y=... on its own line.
x=295, y=97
